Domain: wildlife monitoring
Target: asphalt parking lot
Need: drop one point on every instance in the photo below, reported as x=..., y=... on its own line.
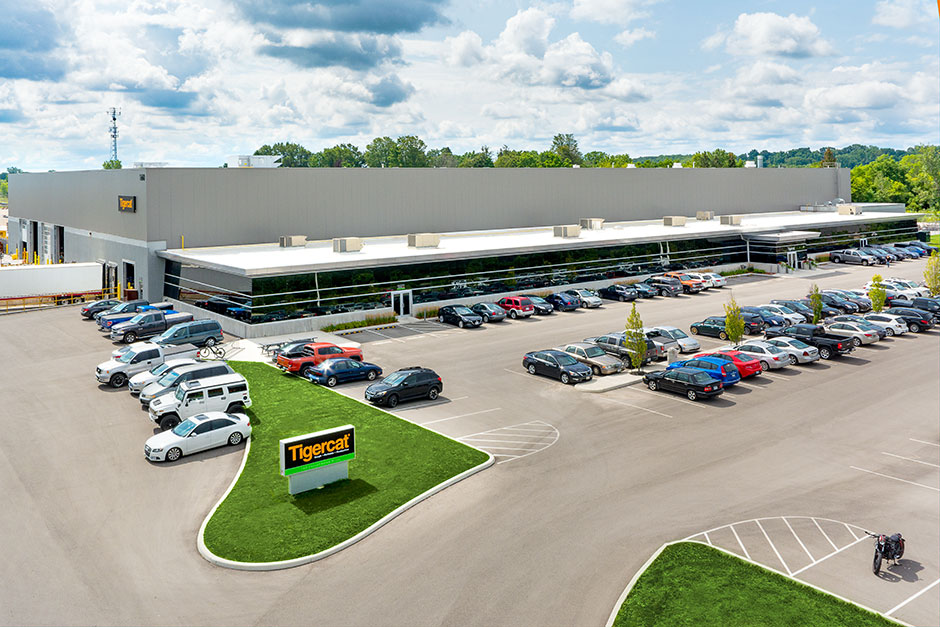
x=587, y=487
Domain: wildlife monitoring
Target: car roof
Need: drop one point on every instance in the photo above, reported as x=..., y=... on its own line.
x=687, y=370
x=579, y=345
x=222, y=379
x=319, y=344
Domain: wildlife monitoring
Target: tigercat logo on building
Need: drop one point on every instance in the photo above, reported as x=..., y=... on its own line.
x=312, y=450
x=127, y=204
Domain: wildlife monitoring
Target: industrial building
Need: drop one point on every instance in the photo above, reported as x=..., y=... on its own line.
x=289, y=249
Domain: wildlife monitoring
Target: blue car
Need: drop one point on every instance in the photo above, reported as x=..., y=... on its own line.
x=563, y=302
x=724, y=371
x=770, y=319
x=333, y=371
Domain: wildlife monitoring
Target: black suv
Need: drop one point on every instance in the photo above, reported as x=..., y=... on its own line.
x=405, y=385
x=618, y=292
x=664, y=285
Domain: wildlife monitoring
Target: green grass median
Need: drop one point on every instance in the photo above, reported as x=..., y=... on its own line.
x=395, y=461
x=693, y=584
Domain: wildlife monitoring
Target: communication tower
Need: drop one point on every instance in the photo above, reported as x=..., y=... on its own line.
x=114, y=113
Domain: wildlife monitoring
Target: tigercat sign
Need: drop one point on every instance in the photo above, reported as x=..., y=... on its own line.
x=312, y=450
x=127, y=204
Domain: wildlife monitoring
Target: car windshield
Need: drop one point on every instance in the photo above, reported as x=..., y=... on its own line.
x=183, y=428
x=112, y=310
x=162, y=336
x=798, y=344
x=587, y=293
x=525, y=302
x=675, y=334
x=594, y=351
x=137, y=318
x=685, y=277
x=180, y=393
x=785, y=310
x=464, y=311
x=168, y=379
x=565, y=360
x=773, y=350
x=127, y=357
x=537, y=300
x=159, y=369
x=395, y=378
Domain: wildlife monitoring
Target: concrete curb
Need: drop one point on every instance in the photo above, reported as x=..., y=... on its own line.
x=212, y=558
x=629, y=379
x=377, y=327
x=636, y=577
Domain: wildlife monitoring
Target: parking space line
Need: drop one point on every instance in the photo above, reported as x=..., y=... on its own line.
x=815, y=522
x=741, y=544
x=850, y=531
x=461, y=416
x=524, y=429
x=810, y=555
x=707, y=539
x=872, y=472
x=388, y=337
x=773, y=376
x=382, y=342
x=433, y=403
x=910, y=598
x=666, y=396
x=507, y=448
x=652, y=411
x=923, y=442
x=910, y=459
x=787, y=568
x=836, y=552
x=514, y=372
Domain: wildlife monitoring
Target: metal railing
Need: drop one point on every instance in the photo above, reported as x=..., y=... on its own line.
x=44, y=301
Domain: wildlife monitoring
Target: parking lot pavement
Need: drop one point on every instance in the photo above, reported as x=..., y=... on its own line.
x=99, y=532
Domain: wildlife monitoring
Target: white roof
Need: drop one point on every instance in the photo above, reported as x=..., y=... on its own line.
x=258, y=260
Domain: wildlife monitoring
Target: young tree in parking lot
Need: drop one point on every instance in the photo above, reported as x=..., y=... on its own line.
x=815, y=302
x=734, y=323
x=932, y=274
x=877, y=294
x=636, y=340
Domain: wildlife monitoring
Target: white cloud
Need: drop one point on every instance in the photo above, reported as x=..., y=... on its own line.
x=904, y=13
x=758, y=34
x=714, y=41
x=767, y=73
x=864, y=95
x=627, y=90
x=526, y=33
x=629, y=37
x=465, y=49
x=620, y=12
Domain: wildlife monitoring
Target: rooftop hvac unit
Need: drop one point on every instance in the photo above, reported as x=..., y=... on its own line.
x=673, y=220
x=592, y=224
x=423, y=240
x=704, y=215
x=849, y=210
x=567, y=230
x=730, y=220
x=347, y=244
x=289, y=241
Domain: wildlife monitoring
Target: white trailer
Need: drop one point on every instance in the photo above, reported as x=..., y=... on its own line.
x=49, y=280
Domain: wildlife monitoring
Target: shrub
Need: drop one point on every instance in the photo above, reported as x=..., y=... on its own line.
x=370, y=321
x=424, y=314
x=747, y=270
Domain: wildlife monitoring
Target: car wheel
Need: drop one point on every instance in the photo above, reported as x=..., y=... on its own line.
x=304, y=371
x=692, y=395
x=856, y=342
x=531, y=368
x=130, y=337
x=864, y=262
x=621, y=298
x=371, y=375
x=835, y=260
x=793, y=360
x=722, y=335
x=565, y=378
x=596, y=370
x=513, y=314
x=486, y=318
x=889, y=332
x=331, y=382
x=440, y=319
x=764, y=366
x=825, y=353
x=392, y=400
x=662, y=293
x=694, y=330
x=210, y=341
x=235, y=438
x=460, y=323
x=915, y=328
x=234, y=407
x=173, y=454
x=118, y=379
x=169, y=421
x=433, y=393
x=652, y=385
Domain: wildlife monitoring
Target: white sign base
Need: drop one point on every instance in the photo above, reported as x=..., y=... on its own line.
x=317, y=477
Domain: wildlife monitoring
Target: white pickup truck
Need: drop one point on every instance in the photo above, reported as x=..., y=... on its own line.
x=138, y=358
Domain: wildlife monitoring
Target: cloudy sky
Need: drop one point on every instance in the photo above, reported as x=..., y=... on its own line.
x=198, y=80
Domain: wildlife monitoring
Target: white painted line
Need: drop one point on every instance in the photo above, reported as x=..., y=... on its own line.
x=923, y=442
x=823, y=559
x=503, y=448
x=652, y=411
x=850, y=531
x=501, y=428
x=872, y=472
x=810, y=555
x=787, y=568
x=910, y=598
x=388, y=337
x=707, y=539
x=485, y=411
x=496, y=440
x=916, y=461
x=741, y=544
x=530, y=430
x=518, y=373
x=414, y=337
x=825, y=536
x=773, y=376
x=381, y=342
x=667, y=396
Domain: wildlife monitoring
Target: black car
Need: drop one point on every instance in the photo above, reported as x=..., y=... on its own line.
x=664, y=285
x=644, y=291
x=827, y=311
x=837, y=302
x=405, y=385
x=558, y=365
x=691, y=382
x=89, y=310
x=714, y=326
x=925, y=304
x=766, y=318
x=458, y=315
x=618, y=292
x=863, y=303
x=490, y=312
x=917, y=319
x=563, y=302
x=542, y=306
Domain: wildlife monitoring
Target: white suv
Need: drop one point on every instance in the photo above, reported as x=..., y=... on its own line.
x=228, y=393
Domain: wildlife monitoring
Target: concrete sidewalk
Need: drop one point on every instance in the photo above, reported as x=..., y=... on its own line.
x=598, y=385
x=250, y=350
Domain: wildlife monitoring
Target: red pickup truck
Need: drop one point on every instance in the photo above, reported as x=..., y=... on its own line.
x=315, y=354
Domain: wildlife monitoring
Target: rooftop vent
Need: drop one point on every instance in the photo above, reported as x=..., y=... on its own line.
x=849, y=210
x=347, y=244
x=423, y=240
x=673, y=220
x=592, y=224
x=704, y=215
x=730, y=220
x=288, y=241
x=567, y=230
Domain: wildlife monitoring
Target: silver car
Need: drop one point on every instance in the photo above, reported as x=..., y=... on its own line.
x=893, y=325
x=686, y=344
x=798, y=351
x=704, y=278
x=770, y=357
x=139, y=381
x=716, y=279
x=662, y=342
x=857, y=334
x=589, y=298
x=594, y=356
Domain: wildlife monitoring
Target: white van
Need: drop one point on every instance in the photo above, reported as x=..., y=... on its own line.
x=228, y=393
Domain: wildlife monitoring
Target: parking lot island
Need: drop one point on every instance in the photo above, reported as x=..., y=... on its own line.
x=257, y=525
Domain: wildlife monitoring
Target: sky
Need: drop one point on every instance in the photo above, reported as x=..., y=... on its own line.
x=200, y=80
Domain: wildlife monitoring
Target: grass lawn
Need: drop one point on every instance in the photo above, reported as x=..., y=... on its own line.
x=395, y=462
x=935, y=240
x=693, y=584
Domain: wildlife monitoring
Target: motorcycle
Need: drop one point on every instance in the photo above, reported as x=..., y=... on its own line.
x=886, y=548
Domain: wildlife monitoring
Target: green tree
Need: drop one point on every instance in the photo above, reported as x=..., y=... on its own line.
x=382, y=152
x=10, y=170
x=734, y=323
x=411, y=152
x=815, y=303
x=717, y=158
x=112, y=164
x=635, y=340
x=4, y=188
x=922, y=172
x=566, y=146
x=442, y=158
x=882, y=180
x=549, y=159
x=507, y=158
x=339, y=156
x=292, y=155
x=828, y=160
x=594, y=158
x=482, y=159
x=932, y=274
x=877, y=294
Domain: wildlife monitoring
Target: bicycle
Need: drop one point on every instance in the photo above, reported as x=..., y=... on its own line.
x=211, y=352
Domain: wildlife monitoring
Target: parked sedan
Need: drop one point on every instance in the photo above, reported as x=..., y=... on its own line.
x=542, y=306
x=686, y=344
x=769, y=356
x=594, y=356
x=714, y=326
x=618, y=292
x=768, y=318
x=716, y=279
x=863, y=302
x=458, y=315
x=917, y=319
x=798, y=351
x=719, y=369
x=558, y=365
x=333, y=371
x=838, y=302
x=562, y=301
x=852, y=331
x=588, y=297
x=796, y=306
x=893, y=325
x=199, y=433
x=827, y=310
x=792, y=317
x=644, y=291
x=490, y=312
x=693, y=383
x=863, y=324
x=89, y=310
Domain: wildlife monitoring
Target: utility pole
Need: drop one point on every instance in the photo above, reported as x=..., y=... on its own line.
x=114, y=113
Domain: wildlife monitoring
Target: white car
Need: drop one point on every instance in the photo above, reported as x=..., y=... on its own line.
x=798, y=351
x=784, y=312
x=893, y=325
x=686, y=344
x=198, y=433
x=589, y=298
x=921, y=290
x=770, y=357
x=141, y=380
x=896, y=287
x=858, y=335
x=704, y=278
x=716, y=279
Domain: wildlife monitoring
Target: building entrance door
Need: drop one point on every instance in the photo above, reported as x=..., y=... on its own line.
x=793, y=259
x=401, y=302
x=109, y=281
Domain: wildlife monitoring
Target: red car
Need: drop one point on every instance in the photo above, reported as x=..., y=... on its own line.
x=315, y=354
x=747, y=365
x=517, y=306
